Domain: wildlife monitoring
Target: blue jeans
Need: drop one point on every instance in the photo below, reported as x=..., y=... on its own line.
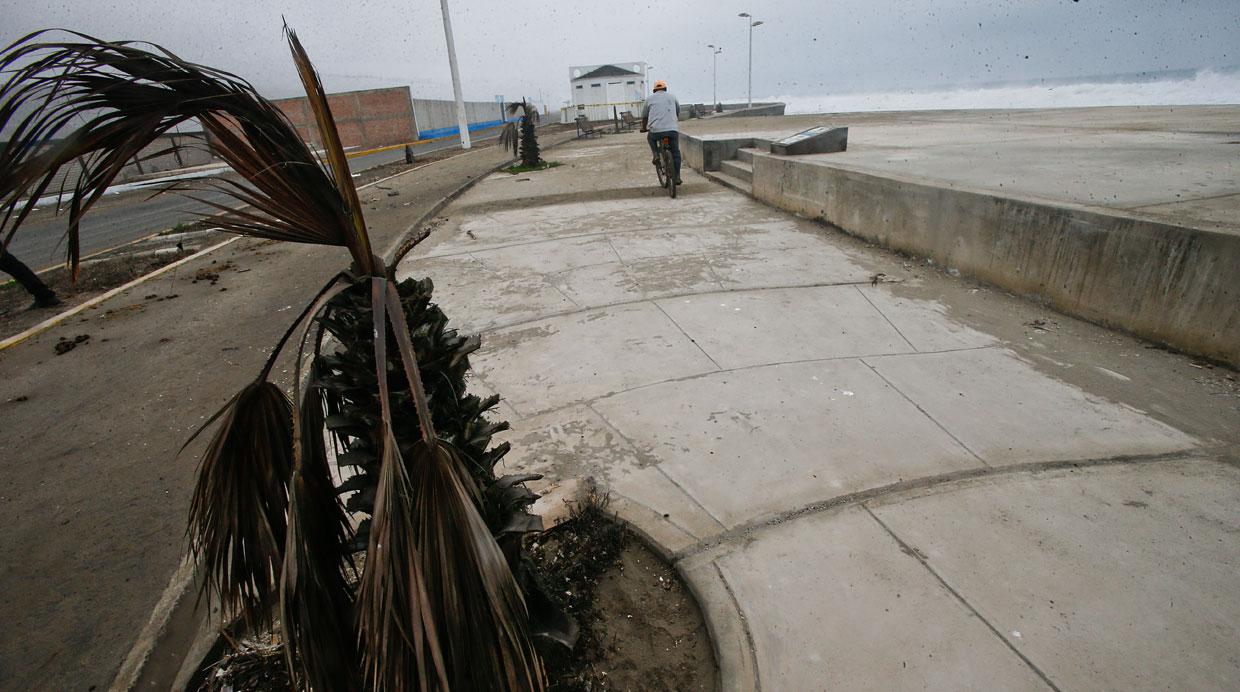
x=653, y=138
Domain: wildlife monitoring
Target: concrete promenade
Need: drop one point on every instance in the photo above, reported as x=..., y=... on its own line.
x=1128, y=217
x=873, y=474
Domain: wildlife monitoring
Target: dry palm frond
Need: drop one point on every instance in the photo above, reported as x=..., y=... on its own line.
x=316, y=599
x=237, y=514
x=237, y=520
x=475, y=600
x=316, y=612
x=482, y=619
x=97, y=104
x=510, y=136
x=399, y=641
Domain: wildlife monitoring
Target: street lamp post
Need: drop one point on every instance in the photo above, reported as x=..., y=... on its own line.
x=714, y=74
x=462, y=118
x=752, y=23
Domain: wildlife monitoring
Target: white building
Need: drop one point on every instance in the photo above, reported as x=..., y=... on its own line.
x=597, y=89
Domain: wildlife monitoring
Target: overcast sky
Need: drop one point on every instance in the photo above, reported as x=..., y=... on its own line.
x=805, y=47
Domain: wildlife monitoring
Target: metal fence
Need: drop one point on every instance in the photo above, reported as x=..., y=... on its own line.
x=188, y=149
x=600, y=112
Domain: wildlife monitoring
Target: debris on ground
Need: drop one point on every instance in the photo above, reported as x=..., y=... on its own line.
x=249, y=666
x=123, y=310
x=1042, y=324
x=212, y=273
x=64, y=345
x=640, y=626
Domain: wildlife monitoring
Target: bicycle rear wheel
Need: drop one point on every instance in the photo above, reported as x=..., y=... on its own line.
x=669, y=168
x=658, y=169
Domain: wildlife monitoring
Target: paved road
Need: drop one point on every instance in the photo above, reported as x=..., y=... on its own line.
x=93, y=498
x=40, y=243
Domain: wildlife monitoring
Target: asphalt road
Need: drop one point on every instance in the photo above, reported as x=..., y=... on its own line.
x=93, y=496
x=131, y=215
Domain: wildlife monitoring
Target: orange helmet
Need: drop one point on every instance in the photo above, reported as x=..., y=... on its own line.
x=660, y=85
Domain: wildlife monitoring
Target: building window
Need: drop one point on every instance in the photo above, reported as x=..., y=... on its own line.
x=579, y=86
x=595, y=86
x=630, y=82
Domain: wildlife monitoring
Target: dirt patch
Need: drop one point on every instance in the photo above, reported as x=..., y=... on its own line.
x=96, y=277
x=640, y=627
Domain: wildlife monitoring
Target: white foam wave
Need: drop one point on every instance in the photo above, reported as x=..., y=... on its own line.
x=1205, y=87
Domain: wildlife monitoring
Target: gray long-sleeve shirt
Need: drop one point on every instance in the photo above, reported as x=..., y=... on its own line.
x=661, y=112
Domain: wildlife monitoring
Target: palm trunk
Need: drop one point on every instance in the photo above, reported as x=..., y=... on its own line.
x=530, y=155
x=348, y=376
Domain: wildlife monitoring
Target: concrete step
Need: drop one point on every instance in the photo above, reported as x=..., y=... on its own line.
x=738, y=169
x=739, y=184
x=745, y=154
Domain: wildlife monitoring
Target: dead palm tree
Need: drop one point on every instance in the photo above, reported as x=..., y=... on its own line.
x=522, y=133
x=437, y=605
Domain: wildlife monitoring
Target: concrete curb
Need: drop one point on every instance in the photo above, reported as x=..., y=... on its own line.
x=729, y=633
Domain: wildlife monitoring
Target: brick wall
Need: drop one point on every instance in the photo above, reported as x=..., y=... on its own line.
x=364, y=119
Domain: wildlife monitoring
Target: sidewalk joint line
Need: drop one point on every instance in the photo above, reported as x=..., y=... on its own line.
x=963, y=477
x=477, y=374
x=912, y=552
x=545, y=278
x=888, y=319
x=614, y=251
x=654, y=545
x=689, y=294
x=718, y=368
x=741, y=368
x=574, y=236
x=923, y=411
x=740, y=613
x=689, y=495
x=634, y=448
x=1207, y=198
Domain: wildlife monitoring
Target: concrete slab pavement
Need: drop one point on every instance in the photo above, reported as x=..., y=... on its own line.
x=871, y=474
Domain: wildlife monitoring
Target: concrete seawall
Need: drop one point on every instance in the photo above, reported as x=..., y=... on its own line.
x=1177, y=284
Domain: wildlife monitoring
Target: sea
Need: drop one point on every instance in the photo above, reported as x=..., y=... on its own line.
x=1168, y=88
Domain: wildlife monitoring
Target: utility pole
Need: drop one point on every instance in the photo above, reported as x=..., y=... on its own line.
x=714, y=74
x=752, y=23
x=462, y=118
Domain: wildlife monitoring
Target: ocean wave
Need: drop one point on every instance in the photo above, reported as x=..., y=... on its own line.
x=1205, y=87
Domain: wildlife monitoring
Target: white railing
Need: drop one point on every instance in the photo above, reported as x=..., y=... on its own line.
x=601, y=112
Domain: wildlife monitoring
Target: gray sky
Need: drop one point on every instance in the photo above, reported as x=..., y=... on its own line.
x=805, y=48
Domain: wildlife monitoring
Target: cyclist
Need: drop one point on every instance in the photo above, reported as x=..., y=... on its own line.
x=660, y=118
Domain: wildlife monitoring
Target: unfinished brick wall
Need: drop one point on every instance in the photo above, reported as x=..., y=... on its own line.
x=364, y=119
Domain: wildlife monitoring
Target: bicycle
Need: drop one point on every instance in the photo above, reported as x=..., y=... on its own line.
x=665, y=166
